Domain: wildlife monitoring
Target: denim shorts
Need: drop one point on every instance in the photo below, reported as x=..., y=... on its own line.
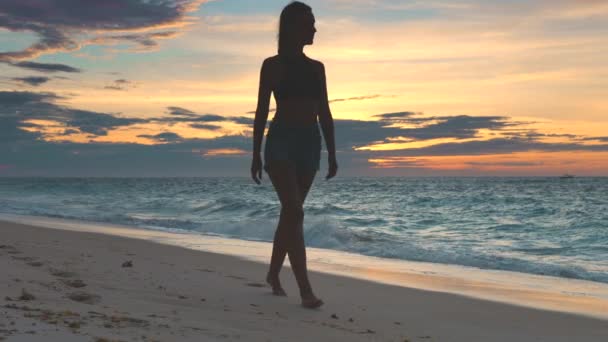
x=300, y=144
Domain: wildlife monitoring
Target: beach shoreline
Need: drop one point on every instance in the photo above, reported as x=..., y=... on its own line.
x=182, y=287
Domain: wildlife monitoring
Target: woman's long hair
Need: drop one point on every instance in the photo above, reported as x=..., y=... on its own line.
x=288, y=21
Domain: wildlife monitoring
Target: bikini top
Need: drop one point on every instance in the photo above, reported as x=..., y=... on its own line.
x=299, y=79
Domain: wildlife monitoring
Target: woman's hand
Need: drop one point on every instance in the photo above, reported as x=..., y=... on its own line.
x=256, y=168
x=333, y=167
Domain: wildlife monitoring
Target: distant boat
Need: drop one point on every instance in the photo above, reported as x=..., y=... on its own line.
x=566, y=175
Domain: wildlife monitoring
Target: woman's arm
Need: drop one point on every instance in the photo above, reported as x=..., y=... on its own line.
x=325, y=118
x=327, y=125
x=261, y=112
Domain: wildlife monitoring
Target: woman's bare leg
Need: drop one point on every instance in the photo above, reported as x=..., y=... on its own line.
x=278, y=250
x=276, y=261
x=289, y=236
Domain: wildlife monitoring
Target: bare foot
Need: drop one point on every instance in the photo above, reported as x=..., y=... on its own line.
x=311, y=302
x=274, y=282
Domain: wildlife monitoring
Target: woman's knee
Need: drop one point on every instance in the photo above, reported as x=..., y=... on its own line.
x=293, y=212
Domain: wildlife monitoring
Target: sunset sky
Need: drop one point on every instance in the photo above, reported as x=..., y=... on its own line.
x=416, y=88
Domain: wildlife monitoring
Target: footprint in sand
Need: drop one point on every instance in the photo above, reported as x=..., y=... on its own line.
x=11, y=250
x=84, y=297
x=256, y=284
x=24, y=258
x=126, y=321
x=35, y=263
x=62, y=273
x=236, y=277
x=25, y=295
x=73, y=282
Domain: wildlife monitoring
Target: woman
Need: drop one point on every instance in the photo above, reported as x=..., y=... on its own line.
x=293, y=143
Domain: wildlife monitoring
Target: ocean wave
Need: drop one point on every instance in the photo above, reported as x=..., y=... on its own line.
x=519, y=224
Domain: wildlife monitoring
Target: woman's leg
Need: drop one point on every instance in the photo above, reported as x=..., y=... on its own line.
x=276, y=260
x=290, y=234
x=304, y=182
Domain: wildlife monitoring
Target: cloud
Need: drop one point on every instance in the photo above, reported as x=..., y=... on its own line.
x=163, y=137
x=25, y=118
x=197, y=118
x=52, y=39
x=460, y=127
x=106, y=160
x=351, y=135
x=357, y=133
x=92, y=122
x=181, y=111
x=146, y=41
x=492, y=146
x=602, y=139
x=393, y=116
x=32, y=80
x=22, y=106
x=223, y=152
x=406, y=5
x=20, y=98
x=506, y=163
x=206, y=126
x=179, y=114
x=59, y=24
x=113, y=87
x=270, y=110
x=11, y=131
x=44, y=67
x=354, y=98
x=120, y=84
x=69, y=132
x=243, y=120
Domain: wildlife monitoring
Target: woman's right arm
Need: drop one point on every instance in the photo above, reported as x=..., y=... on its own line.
x=259, y=122
x=261, y=112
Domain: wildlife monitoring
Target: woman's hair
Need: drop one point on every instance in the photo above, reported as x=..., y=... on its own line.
x=287, y=22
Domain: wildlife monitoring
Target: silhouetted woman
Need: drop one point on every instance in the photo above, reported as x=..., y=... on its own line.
x=293, y=142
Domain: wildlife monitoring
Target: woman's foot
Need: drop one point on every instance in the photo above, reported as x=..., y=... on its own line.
x=274, y=282
x=311, y=302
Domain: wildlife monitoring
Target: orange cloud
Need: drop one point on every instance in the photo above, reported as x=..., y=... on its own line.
x=223, y=152
x=578, y=162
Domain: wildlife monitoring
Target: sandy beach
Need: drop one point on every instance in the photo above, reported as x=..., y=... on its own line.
x=67, y=285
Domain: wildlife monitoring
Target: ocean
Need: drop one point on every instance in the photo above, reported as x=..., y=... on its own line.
x=547, y=226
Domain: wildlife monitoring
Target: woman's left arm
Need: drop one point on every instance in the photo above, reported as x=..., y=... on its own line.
x=327, y=125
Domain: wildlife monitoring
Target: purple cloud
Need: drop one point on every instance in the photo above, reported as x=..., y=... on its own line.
x=57, y=22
